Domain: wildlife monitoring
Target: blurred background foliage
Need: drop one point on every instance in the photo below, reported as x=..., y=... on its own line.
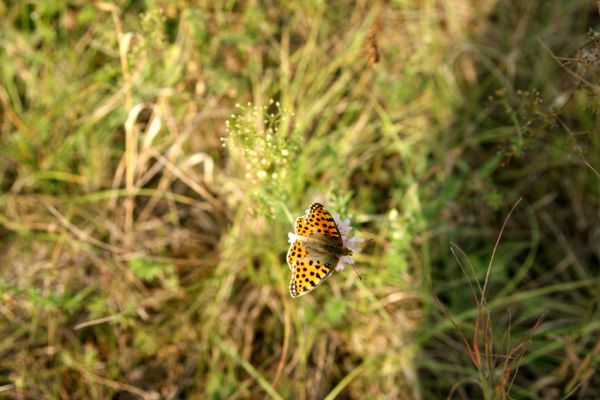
x=155, y=154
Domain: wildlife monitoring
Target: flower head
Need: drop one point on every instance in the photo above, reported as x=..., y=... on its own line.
x=349, y=242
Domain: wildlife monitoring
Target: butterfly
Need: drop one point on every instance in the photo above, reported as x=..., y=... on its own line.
x=316, y=250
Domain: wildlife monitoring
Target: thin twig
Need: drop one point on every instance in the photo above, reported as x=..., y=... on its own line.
x=95, y=322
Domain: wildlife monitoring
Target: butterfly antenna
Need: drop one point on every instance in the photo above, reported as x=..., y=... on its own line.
x=355, y=270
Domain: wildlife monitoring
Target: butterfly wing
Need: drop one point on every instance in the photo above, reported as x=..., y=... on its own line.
x=307, y=274
x=296, y=251
x=319, y=222
x=301, y=227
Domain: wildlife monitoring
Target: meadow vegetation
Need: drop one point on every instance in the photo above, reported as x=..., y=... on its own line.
x=154, y=156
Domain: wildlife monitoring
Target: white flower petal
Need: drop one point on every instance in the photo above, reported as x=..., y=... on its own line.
x=343, y=260
x=343, y=226
x=292, y=237
x=352, y=243
x=337, y=220
x=347, y=227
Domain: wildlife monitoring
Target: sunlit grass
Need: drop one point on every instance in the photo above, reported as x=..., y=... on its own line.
x=144, y=215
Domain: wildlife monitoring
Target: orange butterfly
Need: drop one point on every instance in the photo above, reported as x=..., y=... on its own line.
x=317, y=248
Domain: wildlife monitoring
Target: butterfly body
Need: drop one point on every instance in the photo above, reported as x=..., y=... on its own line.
x=316, y=250
x=324, y=247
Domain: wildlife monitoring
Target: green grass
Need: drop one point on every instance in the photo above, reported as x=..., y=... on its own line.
x=154, y=156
